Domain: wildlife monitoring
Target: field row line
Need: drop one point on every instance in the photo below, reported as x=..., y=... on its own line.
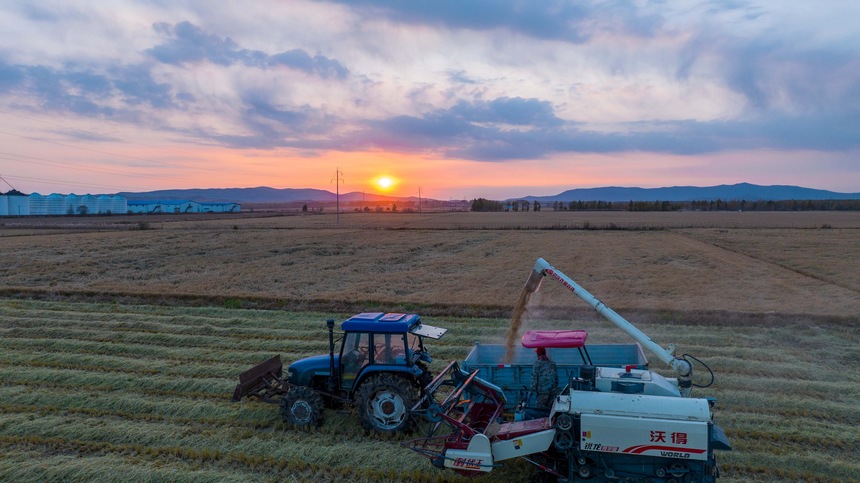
x=164, y=341
x=107, y=368
x=202, y=423
x=234, y=323
x=767, y=261
x=213, y=457
x=138, y=351
x=799, y=411
x=259, y=334
x=177, y=315
x=283, y=334
x=8, y=380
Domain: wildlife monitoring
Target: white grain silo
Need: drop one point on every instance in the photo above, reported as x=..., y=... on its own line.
x=119, y=204
x=90, y=202
x=72, y=203
x=38, y=204
x=103, y=205
x=56, y=204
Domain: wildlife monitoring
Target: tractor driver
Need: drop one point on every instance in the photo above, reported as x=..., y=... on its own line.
x=544, y=384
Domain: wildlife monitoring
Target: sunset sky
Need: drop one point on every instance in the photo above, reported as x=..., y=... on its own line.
x=464, y=99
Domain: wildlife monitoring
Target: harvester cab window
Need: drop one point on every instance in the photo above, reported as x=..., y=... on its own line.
x=356, y=355
x=389, y=349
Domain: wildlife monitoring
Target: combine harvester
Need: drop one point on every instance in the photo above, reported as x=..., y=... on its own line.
x=609, y=423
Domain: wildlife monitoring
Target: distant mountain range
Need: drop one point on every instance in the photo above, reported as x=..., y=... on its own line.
x=740, y=191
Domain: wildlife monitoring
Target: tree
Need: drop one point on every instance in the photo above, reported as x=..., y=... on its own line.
x=483, y=204
x=304, y=208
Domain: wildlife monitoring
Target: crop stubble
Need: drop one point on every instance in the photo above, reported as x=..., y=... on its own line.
x=98, y=391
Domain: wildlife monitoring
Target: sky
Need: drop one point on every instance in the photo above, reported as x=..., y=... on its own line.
x=456, y=98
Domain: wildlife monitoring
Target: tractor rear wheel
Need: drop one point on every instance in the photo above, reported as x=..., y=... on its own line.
x=383, y=403
x=302, y=407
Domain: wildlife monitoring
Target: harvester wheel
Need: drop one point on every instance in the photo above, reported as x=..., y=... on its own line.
x=302, y=407
x=383, y=403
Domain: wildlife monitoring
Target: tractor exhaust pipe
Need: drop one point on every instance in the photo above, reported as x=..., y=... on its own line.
x=332, y=379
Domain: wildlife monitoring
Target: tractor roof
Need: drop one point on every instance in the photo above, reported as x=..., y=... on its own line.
x=380, y=322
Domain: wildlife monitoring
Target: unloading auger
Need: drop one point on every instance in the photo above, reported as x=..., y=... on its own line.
x=682, y=367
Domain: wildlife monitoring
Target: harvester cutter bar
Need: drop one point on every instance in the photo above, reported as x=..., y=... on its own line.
x=458, y=405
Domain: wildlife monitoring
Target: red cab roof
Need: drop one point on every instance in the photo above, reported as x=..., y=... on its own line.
x=567, y=339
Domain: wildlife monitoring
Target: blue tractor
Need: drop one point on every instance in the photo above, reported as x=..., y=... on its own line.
x=381, y=369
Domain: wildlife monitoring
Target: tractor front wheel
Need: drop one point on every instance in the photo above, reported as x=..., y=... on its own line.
x=383, y=403
x=302, y=407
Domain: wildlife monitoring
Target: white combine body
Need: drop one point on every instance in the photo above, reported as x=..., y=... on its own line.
x=607, y=424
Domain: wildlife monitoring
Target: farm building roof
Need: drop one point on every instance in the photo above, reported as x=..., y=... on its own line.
x=158, y=202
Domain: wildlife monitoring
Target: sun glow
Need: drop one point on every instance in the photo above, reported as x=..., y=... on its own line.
x=384, y=182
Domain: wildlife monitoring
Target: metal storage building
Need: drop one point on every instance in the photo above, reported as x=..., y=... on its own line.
x=220, y=207
x=163, y=206
x=181, y=206
x=14, y=203
x=38, y=204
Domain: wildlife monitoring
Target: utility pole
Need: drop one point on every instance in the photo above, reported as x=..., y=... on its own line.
x=338, y=179
x=419, y=199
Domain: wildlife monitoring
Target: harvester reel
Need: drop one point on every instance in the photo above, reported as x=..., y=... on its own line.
x=384, y=402
x=302, y=407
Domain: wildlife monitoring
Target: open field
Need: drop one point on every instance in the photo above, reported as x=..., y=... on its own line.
x=120, y=346
x=475, y=265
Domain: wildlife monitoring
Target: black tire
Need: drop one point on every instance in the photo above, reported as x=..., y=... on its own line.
x=302, y=407
x=383, y=402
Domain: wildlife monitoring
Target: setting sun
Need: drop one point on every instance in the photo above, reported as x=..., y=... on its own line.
x=384, y=182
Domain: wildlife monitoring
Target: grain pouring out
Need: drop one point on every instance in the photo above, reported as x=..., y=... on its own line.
x=516, y=323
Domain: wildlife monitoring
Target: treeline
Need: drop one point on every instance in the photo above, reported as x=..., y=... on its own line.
x=482, y=204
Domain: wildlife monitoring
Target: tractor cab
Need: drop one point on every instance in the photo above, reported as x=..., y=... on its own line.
x=374, y=342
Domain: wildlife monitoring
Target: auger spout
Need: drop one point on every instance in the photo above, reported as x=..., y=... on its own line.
x=681, y=366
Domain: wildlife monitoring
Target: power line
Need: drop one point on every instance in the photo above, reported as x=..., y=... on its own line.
x=157, y=163
x=10, y=185
x=66, y=183
x=82, y=167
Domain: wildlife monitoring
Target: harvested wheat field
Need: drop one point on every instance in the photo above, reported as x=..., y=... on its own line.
x=120, y=347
